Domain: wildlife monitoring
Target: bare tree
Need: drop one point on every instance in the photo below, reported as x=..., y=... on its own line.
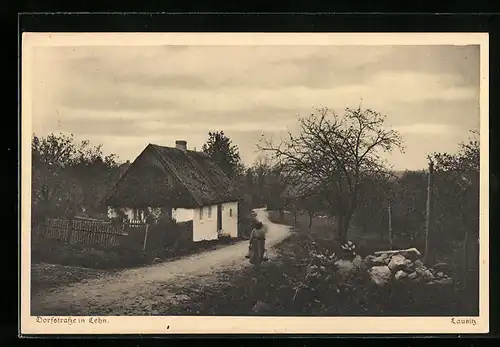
x=303, y=195
x=335, y=152
x=313, y=205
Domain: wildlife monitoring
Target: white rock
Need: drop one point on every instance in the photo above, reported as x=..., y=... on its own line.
x=397, y=262
x=411, y=253
x=345, y=267
x=428, y=275
x=400, y=274
x=418, y=263
x=380, y=275
x=412, y=276
x=440, y=274
x=380, y=260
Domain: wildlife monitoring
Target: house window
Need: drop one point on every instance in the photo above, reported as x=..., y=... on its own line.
x=230, y=212
x=209, y=211
x=201, y=213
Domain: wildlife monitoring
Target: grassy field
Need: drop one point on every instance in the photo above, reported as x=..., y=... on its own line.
x=323, y=229
x=276, y=288
x=279, y=287
x=57, y=264
x=47, y=276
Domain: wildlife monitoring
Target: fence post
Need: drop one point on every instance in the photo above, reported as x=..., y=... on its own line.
x=428, y=221
x=390, y=226
x=145, y=238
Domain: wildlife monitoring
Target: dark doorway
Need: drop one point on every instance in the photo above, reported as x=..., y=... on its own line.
x=219, y=218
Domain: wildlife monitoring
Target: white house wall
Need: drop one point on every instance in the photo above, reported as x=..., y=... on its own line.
x=182, y=214
x=230, y=219
x=205, y=228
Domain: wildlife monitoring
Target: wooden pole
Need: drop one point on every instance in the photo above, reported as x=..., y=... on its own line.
x=428, y=221
x=390, y=226
x=145, y=238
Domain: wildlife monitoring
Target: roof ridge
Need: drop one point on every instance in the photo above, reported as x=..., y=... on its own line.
x=121, y=178
x=198, y=178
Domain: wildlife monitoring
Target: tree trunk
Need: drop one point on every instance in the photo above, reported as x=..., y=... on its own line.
x=310, y=219
x=343, y=227
x=343, y=232
x=295, y=216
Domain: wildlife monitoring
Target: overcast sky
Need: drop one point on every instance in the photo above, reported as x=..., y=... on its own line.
x=126, y=97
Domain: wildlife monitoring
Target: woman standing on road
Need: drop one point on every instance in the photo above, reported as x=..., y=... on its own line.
x=258, y=233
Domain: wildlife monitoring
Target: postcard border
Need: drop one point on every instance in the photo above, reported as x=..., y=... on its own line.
x=255, y=325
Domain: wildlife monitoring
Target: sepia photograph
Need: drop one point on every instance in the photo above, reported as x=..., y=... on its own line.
x=253, y=183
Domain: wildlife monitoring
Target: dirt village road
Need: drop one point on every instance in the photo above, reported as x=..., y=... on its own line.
x=145, y=290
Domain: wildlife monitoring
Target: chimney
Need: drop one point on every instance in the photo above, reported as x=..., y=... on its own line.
x=181, y=144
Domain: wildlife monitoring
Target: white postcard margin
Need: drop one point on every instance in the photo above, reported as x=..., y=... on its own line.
x=249, y=325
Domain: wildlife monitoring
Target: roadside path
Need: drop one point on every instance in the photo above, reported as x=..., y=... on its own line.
x=144, y=291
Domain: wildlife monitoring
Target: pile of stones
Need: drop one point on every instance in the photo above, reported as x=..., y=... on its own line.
x=404, y=265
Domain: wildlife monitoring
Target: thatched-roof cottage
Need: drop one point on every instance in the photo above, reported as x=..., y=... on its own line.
x=184, y=184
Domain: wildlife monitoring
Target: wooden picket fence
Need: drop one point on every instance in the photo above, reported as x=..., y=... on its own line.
x=87, y=232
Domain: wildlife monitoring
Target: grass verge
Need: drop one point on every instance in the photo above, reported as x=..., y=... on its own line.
x=278, y=288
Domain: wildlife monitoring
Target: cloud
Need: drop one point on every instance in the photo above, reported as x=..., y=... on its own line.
x=427, y=129
x=138, y=95
x=411, y=87
x=114, y=100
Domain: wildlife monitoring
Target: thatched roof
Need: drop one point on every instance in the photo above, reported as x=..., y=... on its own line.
x=166, y=176
x=123, y=168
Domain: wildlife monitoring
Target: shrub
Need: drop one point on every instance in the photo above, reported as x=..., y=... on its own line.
x=56, y=252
